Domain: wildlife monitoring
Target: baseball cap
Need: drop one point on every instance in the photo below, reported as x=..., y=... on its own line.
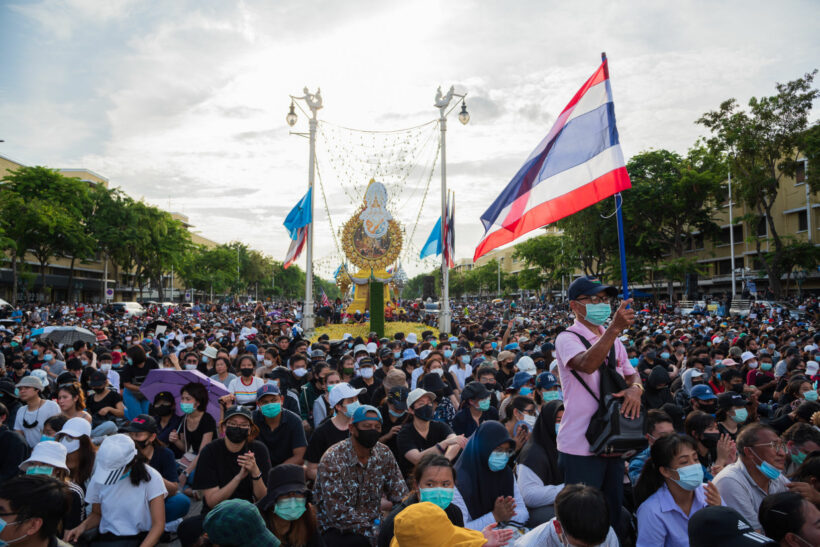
x=545, y=380
x=409, y=353
x=76, y=428
x=341, y=391
x=746, y=356
x=520, y=379
x=48, y=452
x=397, y=396
x=526, y=364
x=237, y=411
x=141, y=423
x=267, y=389
x=417, y=394
x=588, y=286
x=360, y=415
x=238, y=522
x=812, y=367
x=475, y=390
x=504, y=355
x=97, y=379
x=730, y=399
x=719, y=525
x=702, y=393
x=114, y=455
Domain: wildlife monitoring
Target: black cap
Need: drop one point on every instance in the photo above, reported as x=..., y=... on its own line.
x=730, y=399
x=165, y=396
x=97, y=379
x=588, y=286
x=385, y=352
x=7, y=387
x=283, y=479
x=475, y=390
x=397, y=396
x=721, y=526
x=141, y=423
x=366, y=362
x=432, y=382
x=238, y=410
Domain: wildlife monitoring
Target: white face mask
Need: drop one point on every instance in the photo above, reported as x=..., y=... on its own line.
x=299, y=372
x=189, y=366
x=71, y=445
x=529, y=420
x=366, y=372
x=268, y=363
x=260, y=357
x=439, y=371
x=105, y=367
x=752, y=364
x=189, y=345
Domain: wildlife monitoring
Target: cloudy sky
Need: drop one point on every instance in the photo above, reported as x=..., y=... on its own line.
x=183, y=103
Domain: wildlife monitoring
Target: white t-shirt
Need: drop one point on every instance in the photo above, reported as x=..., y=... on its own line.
x=114, y=379
x=461, y=374
x=125, y=507
x=245, y=395
x=33, y=434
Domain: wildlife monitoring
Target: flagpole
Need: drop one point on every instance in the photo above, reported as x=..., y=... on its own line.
x=619, y=200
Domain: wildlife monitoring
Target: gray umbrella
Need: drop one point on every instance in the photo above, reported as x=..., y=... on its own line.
x=69, y=335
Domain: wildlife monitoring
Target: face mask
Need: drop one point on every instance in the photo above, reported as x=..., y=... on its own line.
x=330, y=387
x=440, y=496
x=424, y=413
x=366, y=372
x=752, y=365
x=246, y=372
x=799, y=458
x=46, y=438
x=351, y=408
x=3, y=524
x=810, y=395
x=39, y=470
x=236, y=434
x=439, y=371
x=14, y=344
x=525, y=391
x=271, y=410
x=71, y=445
x=448, y=353
x=190, y=366
x=664, y=355
x=396, y=414
x=368, y=437
x=765, y=366
x=396, y=354
x=651, y=355
x=633, y=361
x=551, y=396
x=557, y=428
x=494, y=345
x=47, y=357
x=299, y=372
x=465, y=359
x=105, y=367
x=530, y=421
x=770, y=471
x=268, y=363
x=348, y=371
x=129, y=360
x=741, y=415
x=498, y=460
x=141, y=444
x=484, y=404
x=186, y=408
x=290, y=508
x=690, y=476
x=35, y=352
x=597, y=314
x=350, y=346
x=737, y=388
x=84, y=362
x=260, y=357
x=772, y=346
x=164, y=410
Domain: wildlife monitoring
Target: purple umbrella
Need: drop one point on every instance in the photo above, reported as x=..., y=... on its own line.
x=172, y=380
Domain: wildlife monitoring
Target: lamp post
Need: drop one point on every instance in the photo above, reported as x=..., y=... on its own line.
x=498, y=290
x=314, y=102
x=732, y=236
x=443, y=103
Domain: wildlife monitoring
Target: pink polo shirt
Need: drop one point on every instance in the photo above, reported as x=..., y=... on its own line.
x=579, y=405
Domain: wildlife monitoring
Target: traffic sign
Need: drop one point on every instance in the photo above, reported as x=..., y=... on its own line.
x=109, y=294
x=187, y=296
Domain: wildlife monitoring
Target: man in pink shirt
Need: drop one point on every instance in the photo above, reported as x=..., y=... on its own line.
x=590, y=302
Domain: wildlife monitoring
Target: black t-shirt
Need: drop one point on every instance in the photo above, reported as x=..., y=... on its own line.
x=325, y=436
x=165, y=432
x=193, y=439
x=217, y=466
x=366, y=397
x=111, y=399
x=163, y=461
x=281, y=441
x=132, y=374
x=409, y=438
x=389, y=422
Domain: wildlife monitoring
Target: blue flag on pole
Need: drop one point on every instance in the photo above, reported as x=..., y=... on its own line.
x=433, y=245
x=299, y=216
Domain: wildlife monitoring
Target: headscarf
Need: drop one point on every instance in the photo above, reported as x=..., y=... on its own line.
x=655, y=397
x=541, y=451
x=687, y=380
x=478, y=486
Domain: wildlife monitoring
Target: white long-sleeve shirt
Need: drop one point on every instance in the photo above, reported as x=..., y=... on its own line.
x=479, y=522
x=533, y=489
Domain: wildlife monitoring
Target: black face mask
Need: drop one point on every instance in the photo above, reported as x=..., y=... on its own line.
x=424, y=413
x=141, y=444
x=368, y=437
x=651, y=355
x=236, y=434
x=387, y=362
x=246, y=372
x=737, y=388
x=163, y=410
x=708, y=408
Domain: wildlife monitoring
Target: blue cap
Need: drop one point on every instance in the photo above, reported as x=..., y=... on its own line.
x=588, y=286
x=361, y=414
x=520, y=379
x=545, y=380
x=252, y=349
x=452, y=339
x=702, y=393
x=511, y=346
x=409, y=353
x=267, y=389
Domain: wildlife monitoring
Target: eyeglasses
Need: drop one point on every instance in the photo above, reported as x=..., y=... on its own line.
x=596, y=299
x=777, y=446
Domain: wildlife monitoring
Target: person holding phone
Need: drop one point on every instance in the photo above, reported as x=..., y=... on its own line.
x=520, y=420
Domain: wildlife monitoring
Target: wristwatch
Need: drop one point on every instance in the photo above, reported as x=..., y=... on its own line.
x=639, y=385
x=257, y=477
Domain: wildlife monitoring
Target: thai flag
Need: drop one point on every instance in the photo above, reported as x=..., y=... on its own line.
x=577, y=164
x=298, y=222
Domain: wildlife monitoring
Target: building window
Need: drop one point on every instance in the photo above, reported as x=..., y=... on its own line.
x=724, y=267
x=724, y=236
x=802, y=221
x=800, y=172
x=762, y=227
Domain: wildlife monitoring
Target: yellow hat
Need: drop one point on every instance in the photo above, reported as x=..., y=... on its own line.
x=426, y=525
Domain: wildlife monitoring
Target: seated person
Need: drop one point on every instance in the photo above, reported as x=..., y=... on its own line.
x=801, y=440
x=658, y=423
x=790, y=520
x=539, y=476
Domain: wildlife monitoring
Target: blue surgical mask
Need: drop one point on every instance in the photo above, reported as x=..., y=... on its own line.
x=448, y=353
x=690, y=476
x=770, y=471
x=597, y=314
x=271, y=410
x=551, y=396
x=741, y=415
x=633, y=361
x=465, y=359
x=48, y=357
x=396, y=354
x=525, y=391
x=35, y=352
x=810, y=395
x=557, y=428
x=664, y=355
x=439, y=496
x=46, y=438
x=396, y=414
x=187, y=408
x=351, y=408
x=40, y=470
x=484, y=404
x=290, y=508
x=494, y=344
x=498, y=460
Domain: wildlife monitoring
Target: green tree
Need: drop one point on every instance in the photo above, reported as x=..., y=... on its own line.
x=547, y=255
x=762, y=145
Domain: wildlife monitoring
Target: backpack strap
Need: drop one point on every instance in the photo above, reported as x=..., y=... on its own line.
x=610, y=359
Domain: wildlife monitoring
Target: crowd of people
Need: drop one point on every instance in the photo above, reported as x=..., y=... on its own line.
x=480, y=436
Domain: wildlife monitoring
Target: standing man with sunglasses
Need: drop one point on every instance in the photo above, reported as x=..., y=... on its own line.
x=591, y=302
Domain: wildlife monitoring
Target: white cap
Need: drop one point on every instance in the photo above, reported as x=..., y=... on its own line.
x=424, y=354
x=526, y=364
x=76, y=427
x=48, y=452
x=746, y=356
x=114, y=455
x=342, y=391
x=209, y=352
x=412, y=338
x=358, y=348
x=812, y=367
x=695, y=373
x=41, y=375
x=372, y=347
x=810, y=347
x=346, y=336
x=417, y=394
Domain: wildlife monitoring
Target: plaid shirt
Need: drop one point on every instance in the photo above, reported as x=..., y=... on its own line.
x=349, y=494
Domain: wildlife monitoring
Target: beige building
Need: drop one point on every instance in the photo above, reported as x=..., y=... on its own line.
x=89, y=275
